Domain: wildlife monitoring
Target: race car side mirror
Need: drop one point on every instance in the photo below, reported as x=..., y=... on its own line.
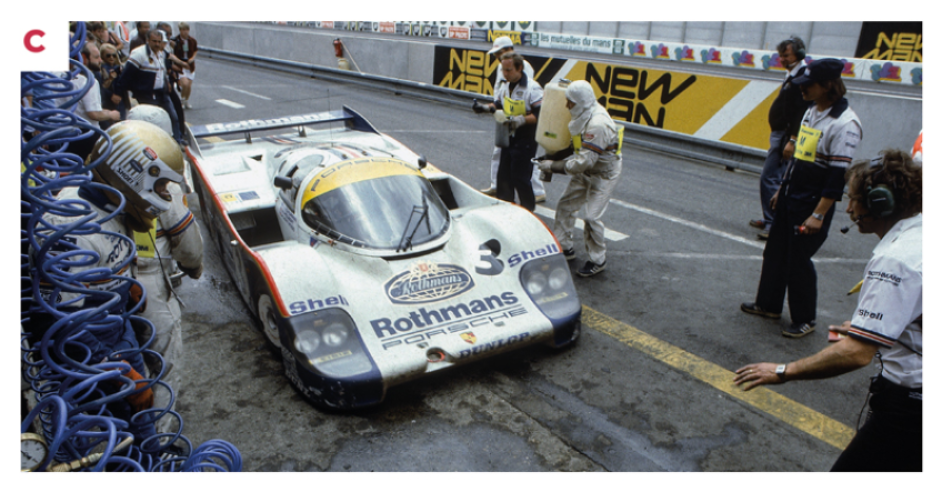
x=422, y=162
x=283, y=182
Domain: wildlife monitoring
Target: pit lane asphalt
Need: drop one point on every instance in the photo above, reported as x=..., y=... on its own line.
x=617, y=401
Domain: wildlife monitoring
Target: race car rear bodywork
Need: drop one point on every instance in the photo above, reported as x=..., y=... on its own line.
x=366, y=266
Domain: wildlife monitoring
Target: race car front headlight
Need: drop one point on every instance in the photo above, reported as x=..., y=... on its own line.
x=327, y=342
x=549, y=284
x=335, y=335
x=307, y=341
x=535, y=284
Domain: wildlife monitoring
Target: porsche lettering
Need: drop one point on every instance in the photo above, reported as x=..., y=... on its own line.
x=462, y=327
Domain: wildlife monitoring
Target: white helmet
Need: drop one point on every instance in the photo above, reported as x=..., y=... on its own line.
x=142, y=157
x=152, y=114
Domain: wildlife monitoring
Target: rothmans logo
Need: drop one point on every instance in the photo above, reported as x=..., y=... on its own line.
x=428, y=282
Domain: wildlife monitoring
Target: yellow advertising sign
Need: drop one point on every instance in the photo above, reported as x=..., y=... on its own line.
x=513, y=35
x=676, y=101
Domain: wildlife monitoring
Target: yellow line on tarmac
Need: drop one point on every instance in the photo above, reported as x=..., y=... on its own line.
x=791, y=412
x=214, y=139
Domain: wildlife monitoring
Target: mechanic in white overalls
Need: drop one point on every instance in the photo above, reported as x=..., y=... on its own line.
x=172, y=240
x=594, y=168
x=503, y=45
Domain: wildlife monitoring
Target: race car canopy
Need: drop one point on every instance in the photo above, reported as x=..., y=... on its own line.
x=354, y=171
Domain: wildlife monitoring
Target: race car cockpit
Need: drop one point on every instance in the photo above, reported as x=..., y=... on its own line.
x=375, y=203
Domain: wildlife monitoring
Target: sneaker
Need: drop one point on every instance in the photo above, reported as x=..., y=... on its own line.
x=540, y=198
x=798, y=330
x=590, y=269
x=758, y=223
x=491, y=191
x=570, y=254
x=752, y=308
x=764, y=235
x=186, y=104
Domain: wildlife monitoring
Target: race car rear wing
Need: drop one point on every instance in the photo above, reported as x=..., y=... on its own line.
x=352, y=119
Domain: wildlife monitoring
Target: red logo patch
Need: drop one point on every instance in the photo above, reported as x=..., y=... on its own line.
x=589, y=136
x=149, y=152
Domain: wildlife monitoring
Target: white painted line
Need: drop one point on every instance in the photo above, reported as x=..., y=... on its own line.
x=711, y=256
x=248, y=93
x=609, y=234
x=677, y=220
x=736, y=109
x=226, y=102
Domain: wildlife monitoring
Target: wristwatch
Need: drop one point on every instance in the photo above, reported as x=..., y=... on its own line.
x=780, y=371
x=818, y=216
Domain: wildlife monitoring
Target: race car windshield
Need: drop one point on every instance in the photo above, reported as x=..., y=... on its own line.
x=374, y=213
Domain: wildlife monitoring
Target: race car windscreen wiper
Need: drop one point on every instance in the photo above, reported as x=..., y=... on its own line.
x=405, y=243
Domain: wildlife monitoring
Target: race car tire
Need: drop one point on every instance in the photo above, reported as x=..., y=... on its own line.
x=267, y=321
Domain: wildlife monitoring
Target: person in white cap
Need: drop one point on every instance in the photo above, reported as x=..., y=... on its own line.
x=594, y=168
x=503, y=45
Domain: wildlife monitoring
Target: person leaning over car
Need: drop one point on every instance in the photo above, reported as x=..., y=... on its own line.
x=885, y=198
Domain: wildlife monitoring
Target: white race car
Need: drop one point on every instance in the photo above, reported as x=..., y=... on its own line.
x=366, y=266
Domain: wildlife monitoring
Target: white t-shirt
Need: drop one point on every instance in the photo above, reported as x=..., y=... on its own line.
x=891, y=303
x=91, y=101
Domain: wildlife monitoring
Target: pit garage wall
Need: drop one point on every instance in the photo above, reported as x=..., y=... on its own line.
x=712, y=107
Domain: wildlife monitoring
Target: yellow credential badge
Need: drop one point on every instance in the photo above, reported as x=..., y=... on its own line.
x=807, y=146
x=145, y=241
x=514, y=108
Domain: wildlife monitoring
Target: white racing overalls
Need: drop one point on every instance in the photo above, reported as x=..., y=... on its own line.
x=175, y=238
x=594, y=168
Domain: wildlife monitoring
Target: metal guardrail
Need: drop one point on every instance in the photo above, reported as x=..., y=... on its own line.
x=731, y=156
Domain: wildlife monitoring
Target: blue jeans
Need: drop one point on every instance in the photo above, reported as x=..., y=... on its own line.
x=771, y=178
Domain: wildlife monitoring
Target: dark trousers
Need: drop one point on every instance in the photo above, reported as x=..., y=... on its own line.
x=890, y=440
x=786, y=261
x=514, y=174
x=771, y=177
x=161, y=98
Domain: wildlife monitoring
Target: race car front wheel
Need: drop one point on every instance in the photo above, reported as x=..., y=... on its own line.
x=266, y=315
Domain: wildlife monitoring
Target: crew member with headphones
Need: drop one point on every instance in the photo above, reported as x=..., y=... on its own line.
x=804, y=205
x=784, y=120
x=885, y=198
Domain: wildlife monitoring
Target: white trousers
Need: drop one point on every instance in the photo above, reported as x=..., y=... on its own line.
x=594, y=192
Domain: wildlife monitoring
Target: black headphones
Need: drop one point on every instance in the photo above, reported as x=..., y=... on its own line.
x=881, y=201
x=798, y=47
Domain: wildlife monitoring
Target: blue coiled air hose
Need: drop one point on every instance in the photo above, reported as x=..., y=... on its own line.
x=80, y=395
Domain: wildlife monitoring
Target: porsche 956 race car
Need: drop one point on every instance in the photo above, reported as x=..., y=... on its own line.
x=365, y=265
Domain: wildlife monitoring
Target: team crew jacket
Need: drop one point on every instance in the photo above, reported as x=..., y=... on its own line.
x=144, y=72
x=531, y=94
x=825, y=148
x=789, y=107
x=889, y=312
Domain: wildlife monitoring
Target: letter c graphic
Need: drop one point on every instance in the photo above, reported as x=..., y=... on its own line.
x=28, y=41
